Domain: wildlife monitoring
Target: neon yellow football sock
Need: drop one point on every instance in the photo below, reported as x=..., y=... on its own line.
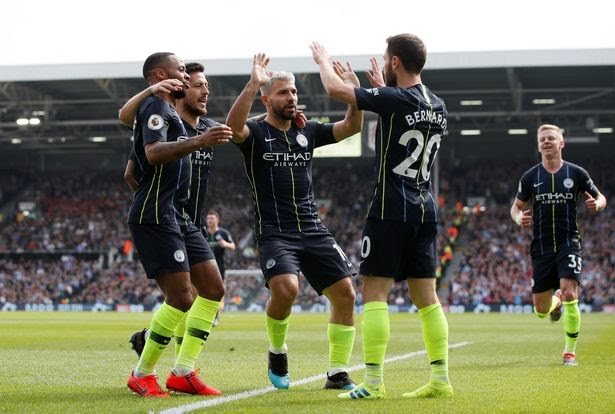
x=541, y=315
x=375, y=331
x=277, y=331
x=199, y=321
x=164, y=321
x=572, y=324
x=341, y=341
x=179, y=334
x=435, y=335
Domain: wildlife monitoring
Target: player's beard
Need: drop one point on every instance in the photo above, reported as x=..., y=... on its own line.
x=195, y=109
x=178, y=94
x=282, y=113
x=390, y=79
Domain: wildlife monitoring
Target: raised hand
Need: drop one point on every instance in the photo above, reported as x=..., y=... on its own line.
x=346, y=74
x=259, y=69
x=375, y=76
x=319, y=53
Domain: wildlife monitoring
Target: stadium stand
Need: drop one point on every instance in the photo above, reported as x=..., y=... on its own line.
x=73, y=245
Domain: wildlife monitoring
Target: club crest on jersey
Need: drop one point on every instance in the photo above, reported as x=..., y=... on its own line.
x=179, y=256
x=568, y=183
x=270, y=263
x=155, y=122
x=302, y=140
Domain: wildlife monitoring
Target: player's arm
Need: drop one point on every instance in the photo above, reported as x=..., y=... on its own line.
x=227, y=244
x=258, y=118
x=350, y=125
x=595, y=201
x=239, y=112
x=519, y=213
x=160, y=152
x=353, y=121
x=128, y=112
x=333, y=83
x=129, y=175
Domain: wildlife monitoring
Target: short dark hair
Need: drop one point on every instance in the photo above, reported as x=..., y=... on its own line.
x=153, y=61
x=213, y=213
x=410, y=49
x=194, y=67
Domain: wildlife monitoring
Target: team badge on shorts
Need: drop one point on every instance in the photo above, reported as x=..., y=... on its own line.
x=270, y=263
x=155, y=122
x=179, y=256
x=568, y=183
x=302, y=140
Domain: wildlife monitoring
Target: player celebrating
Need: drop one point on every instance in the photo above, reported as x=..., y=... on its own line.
x=172, y=250
x=552, y=188
x=399, y=237
x=290, y=236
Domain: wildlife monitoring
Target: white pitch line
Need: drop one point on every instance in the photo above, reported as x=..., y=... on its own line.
x=254, y=393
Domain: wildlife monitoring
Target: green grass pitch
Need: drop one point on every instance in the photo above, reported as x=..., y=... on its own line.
x=501, y=363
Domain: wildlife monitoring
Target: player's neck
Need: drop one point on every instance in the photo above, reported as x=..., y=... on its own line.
x=408, y=80
x=186, y=114
x=552, y=165
x=168, y=97
x=278, y=123
x=190, y=118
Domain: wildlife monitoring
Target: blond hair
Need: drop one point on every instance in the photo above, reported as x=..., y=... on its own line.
x=550, y=127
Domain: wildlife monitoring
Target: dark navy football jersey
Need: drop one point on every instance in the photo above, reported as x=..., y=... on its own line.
x=554, y=205
x=214, y=239
x=161, y=188
x=133, y=157
x=201, y=164
x=279, y=168
x=411, y=124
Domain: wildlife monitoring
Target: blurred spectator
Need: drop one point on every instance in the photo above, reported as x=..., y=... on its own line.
x=483, y=257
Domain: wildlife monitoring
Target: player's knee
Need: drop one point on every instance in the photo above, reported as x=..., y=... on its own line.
x=341, y=294
x=218, y=293
x=181, y=300
x=568, y=295
x=351, y=297
x=343, y=302
x=283, y=290
x=347, y=298
x=214, y=290
x=285, y=294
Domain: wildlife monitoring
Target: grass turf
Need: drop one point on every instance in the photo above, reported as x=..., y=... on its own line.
x=79, y=362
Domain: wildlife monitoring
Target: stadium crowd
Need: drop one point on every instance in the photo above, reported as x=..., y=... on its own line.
x=494, y=265
x=42, y=252
x=70, y=213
